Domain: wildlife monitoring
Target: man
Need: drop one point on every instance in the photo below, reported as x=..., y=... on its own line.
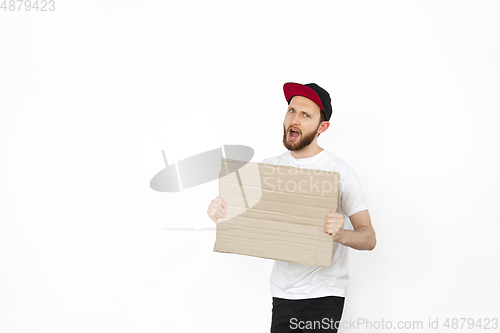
x=307, y=298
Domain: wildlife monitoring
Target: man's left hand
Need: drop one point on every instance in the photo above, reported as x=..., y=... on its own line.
x=334, y=226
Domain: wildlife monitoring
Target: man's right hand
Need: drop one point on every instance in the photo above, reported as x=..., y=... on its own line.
x=216, y=209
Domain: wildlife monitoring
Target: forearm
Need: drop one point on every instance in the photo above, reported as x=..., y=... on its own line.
x=362, y=238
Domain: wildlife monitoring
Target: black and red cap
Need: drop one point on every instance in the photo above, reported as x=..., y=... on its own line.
x=312, y=91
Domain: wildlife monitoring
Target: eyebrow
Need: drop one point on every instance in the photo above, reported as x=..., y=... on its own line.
x=308, y=113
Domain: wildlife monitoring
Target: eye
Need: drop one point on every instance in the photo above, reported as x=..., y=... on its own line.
x=305, y=114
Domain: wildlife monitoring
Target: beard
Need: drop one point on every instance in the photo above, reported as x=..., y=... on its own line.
x=303, y=141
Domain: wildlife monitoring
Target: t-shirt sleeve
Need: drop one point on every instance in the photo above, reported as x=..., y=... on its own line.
x=352, y=198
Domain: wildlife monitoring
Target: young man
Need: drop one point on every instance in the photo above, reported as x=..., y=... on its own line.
x=307, y=298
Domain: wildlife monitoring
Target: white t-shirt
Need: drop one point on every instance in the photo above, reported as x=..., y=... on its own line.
x=296, y=281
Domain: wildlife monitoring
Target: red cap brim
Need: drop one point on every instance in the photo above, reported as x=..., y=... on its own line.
x=295, y=89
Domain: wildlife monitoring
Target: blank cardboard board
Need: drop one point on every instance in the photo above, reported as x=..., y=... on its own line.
x=276, y=212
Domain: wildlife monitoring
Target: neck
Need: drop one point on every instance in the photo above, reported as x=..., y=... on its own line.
x=308, y=151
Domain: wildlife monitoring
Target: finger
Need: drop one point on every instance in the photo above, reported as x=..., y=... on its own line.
x=333, y=228
x=221, y=211
x=220, y=215
x=213, y=209
x=332, y=224
x=221, y=202
x=334, y=215
x=217, y=206
x=332, y=219
x=211, y=212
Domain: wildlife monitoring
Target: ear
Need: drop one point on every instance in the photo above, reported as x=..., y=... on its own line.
x=323, y=126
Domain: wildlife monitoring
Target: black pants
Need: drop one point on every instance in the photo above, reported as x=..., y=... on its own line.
x=321, y=314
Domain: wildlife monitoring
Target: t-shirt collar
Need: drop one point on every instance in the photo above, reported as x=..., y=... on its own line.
x=307, y=160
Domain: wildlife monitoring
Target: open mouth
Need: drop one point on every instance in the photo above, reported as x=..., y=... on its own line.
x=293, y=134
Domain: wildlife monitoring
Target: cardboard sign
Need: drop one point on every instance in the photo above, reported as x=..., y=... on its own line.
x=276, y=212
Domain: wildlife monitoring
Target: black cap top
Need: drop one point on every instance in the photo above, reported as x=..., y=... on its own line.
x=312, y=91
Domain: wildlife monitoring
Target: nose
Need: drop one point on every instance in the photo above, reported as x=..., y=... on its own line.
x=295, y=119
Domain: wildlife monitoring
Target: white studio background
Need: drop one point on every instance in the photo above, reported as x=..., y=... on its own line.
x=92, y=92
